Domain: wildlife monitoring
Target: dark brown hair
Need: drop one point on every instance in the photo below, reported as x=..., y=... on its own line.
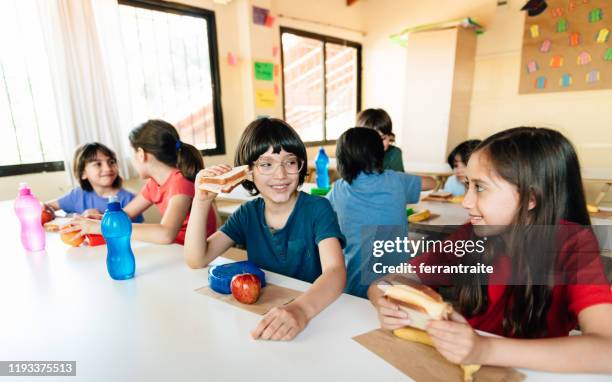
x=87, y=153
x=259, y=136
x=464, y=150
x=358, y=150
x=543, y=166
x=376, y=119
x=161, y=139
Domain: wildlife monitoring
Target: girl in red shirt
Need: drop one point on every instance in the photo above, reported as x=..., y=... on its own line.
x=525, y=194
x=170, y=167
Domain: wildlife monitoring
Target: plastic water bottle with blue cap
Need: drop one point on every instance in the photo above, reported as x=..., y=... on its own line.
x=28, y=210
x=117, y=230
x=322, y=164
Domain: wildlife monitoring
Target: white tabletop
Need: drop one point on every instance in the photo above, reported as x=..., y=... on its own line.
x=61, y=305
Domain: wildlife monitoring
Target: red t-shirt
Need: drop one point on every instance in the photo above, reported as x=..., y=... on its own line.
x=579, y=258
x=176, y=184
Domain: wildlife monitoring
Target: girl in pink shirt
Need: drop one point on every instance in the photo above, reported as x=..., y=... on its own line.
x=170, y=167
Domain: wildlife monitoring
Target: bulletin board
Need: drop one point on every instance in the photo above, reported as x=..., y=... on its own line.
x=568, y=47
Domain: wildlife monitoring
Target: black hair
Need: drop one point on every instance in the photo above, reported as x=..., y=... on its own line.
x=87, y=153
x=464, y=149
x=358, y=150
x=161, y=139
x=376, y=119
x=259, y=136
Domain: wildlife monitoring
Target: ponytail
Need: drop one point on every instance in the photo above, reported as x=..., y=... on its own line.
x=161, y=139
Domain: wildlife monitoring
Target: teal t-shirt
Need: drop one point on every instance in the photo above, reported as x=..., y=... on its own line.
x=393, y=159
x=292, y=250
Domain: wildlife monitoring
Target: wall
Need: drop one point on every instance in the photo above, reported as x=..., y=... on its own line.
x=584, y=117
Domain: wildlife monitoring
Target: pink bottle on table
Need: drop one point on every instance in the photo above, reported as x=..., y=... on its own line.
x=28, y=210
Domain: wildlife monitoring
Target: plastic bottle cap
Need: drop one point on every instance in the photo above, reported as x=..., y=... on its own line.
x=24, y=189
x=113, y=204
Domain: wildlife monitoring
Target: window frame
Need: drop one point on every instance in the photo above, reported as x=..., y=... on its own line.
x=213, y=53
x=325, y=39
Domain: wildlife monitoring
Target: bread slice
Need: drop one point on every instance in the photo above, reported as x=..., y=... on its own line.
x=225, y=182
x=420, y=302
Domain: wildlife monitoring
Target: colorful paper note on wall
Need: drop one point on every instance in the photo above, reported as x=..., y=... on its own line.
x=574, y=39
x=264, y=71
x=276, y=70
x=583, y=58
x=545, y=46
x=232, y=59
x=602, y=36
x=556, y=62
x=274, y=51
x=276, y=90
x=562, y=26
x=565, y=80
x=592, y=76
x=540, y=82
x=595, y=15
x=557, y=12
x=260, y=15
x=265, y=98
x=608, y=55
x=532, y=66
x=535, y=31
x=270, y=21
x=571, y=6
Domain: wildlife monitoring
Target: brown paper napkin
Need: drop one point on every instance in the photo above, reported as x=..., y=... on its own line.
x=423, y=363
x=271, y=296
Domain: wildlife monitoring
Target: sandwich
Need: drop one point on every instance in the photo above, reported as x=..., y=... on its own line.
x=225, y=182
x=420, y=302
x=442, y=196
x=422, y=305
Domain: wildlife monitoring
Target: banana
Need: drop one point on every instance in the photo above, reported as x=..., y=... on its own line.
x=592, y=209
x=421, y=337
x=414, y=335
x=419, y=216
x=468, y=372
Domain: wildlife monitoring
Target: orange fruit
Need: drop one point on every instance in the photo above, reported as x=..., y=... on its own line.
x=69, y=239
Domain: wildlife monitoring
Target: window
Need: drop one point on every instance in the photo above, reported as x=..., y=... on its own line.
x=321, y=82
x=171, y=56
x=29, y=127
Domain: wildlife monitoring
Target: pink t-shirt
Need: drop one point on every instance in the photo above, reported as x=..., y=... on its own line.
x=176, y=184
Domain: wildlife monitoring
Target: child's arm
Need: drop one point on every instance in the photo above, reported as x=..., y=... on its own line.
x=162, y=233
x=137, y=206
x=428, y=183
x=285, y=322
x=199, y=251
x=590, y=352
x=53, y=205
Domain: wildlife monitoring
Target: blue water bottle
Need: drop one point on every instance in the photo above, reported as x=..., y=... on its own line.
x=322, y=164
x=117, y=229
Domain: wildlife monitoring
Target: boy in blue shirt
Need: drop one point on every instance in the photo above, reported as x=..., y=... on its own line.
x=370, y=202
x=285, y=231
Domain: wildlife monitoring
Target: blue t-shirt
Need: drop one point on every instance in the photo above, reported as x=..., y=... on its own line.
x=292, y=250
x=372, y=207
x=453, y=186
x=79, y=200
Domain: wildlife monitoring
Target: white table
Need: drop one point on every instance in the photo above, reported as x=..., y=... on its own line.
x=62, y=305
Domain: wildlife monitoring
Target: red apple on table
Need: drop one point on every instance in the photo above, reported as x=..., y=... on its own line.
x=246, y=288
x=46, y=215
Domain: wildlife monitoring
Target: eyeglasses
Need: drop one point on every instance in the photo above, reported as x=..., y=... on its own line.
x=268, y=167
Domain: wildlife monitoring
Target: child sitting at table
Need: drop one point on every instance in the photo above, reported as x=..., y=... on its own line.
x=368, y=195
x=285, y=230
x=525, y=197
x=95, y=167
x=457, y=160
x=169, y=166
x=379, y=120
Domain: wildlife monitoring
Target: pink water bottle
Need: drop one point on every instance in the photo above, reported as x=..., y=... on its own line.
x=28, y=210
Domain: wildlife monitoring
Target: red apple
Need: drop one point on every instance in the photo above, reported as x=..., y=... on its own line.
x=246, y=288
x=46, y=216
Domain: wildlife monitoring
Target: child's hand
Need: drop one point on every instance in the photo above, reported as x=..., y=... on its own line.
x=282, y=323
x=457, y=341
x=83, y=226
x=390, y=315
x=92, y=213
x=203, y=195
